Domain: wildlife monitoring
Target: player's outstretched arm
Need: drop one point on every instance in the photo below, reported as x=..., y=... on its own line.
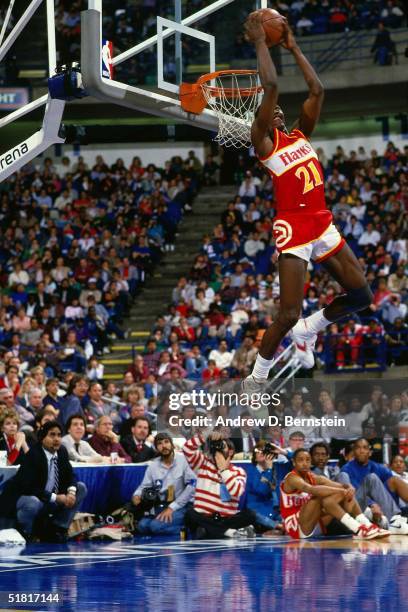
x=260, y=131
x=310, y=112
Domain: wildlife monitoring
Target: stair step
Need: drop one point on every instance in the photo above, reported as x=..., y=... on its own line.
x=107, y=376
x=118, y=361
x=140, y=334
x=122, y=348
x=155, y=296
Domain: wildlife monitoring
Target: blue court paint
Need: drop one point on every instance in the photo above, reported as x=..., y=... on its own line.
x=167, y=575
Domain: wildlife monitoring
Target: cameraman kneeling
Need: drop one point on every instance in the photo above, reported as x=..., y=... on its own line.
x=220, y=484
x=167, y=487
x=262, y=497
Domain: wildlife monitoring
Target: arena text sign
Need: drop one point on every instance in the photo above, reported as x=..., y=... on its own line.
x=10, y=157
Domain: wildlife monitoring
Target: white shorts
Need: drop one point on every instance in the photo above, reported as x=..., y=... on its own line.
x=329, y=243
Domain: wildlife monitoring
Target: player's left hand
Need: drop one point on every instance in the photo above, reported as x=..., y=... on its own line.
x=166, y=516
x=289, y=40
x=253, y=29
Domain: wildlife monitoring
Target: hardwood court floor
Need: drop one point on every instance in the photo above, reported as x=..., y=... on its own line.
x=164, y=575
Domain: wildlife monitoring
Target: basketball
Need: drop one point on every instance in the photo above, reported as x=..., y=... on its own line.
x=273, y=24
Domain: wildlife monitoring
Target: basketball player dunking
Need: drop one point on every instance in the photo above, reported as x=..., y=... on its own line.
x=303, y=228
x=309, y=503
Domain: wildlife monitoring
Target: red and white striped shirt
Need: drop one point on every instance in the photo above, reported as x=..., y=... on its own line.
x=208, y=497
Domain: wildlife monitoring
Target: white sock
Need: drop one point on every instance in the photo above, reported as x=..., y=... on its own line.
x=316, y=322
x=262, y=367
x=230, y=533
x=350, y=523
x=363, y=520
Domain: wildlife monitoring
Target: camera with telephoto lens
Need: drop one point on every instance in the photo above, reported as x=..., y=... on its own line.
x=216, y=446
x=269, y=449
x=150, y=496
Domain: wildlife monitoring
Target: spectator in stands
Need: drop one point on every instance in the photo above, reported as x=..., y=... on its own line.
x=320, y=453
x=135, y=443
x=261, y=492
x=78, y=449
x=370, y=236
x=220, y=484
x=139, y=370
x=176, y=490
x=72, y=402
x=11, y=379
x=210, y=171
x=398, y=281
x=195, y=363
x=383, y=46
x=52, y=394
x=99, y=407
x=222, y=356
x=244, y=357
x=106, y=443
x=394, y=309
x=376, y=486
x=94, y=370
x=11, y=440
x=397, y=342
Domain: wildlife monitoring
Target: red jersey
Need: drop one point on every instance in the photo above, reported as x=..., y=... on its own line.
x=298, y=181
x=297, y=175
x=292, y=503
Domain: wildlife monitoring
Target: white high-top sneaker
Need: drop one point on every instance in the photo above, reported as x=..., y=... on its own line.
x=305, y=341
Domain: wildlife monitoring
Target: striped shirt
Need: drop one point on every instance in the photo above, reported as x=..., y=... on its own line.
x=215, y=491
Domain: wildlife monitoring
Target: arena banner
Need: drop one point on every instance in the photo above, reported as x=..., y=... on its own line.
x=12, y=98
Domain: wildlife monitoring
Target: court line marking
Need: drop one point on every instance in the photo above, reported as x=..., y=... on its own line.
x=133, y=558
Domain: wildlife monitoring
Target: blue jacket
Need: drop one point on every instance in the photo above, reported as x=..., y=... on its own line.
x=260, y=495
x=70, y=405
x=358, y=472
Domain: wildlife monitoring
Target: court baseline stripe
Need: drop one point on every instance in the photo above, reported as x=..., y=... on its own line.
x=129, y=558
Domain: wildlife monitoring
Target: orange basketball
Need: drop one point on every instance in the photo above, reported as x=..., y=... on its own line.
x=273, y=24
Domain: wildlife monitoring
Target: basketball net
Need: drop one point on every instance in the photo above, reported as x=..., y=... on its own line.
x=234, y=98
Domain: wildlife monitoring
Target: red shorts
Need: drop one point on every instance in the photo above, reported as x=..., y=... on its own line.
x=309, y=236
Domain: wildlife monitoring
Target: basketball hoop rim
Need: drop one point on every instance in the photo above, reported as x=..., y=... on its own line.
x=228, y=91
x=194, y=96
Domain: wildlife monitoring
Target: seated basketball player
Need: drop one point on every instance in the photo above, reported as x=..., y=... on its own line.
x=303, y=228
x=309, y=503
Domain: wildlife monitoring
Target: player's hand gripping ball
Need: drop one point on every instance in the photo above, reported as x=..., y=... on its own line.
x=274, y=25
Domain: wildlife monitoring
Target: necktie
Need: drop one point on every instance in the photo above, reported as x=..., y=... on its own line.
x=77, y=447
x=56, y=474
x=139, y=447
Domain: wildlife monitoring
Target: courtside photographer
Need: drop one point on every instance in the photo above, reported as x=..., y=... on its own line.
x=161, y=499
x=261, y=491
x=220, y=485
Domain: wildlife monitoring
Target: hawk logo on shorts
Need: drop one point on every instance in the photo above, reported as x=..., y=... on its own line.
x=282, y=233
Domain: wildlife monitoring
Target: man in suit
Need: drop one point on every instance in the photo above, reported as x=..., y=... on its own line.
x=245, y=437
x=44, y=493
x=135, y=443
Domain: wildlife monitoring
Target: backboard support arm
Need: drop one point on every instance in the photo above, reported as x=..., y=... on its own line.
x=21, y=154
